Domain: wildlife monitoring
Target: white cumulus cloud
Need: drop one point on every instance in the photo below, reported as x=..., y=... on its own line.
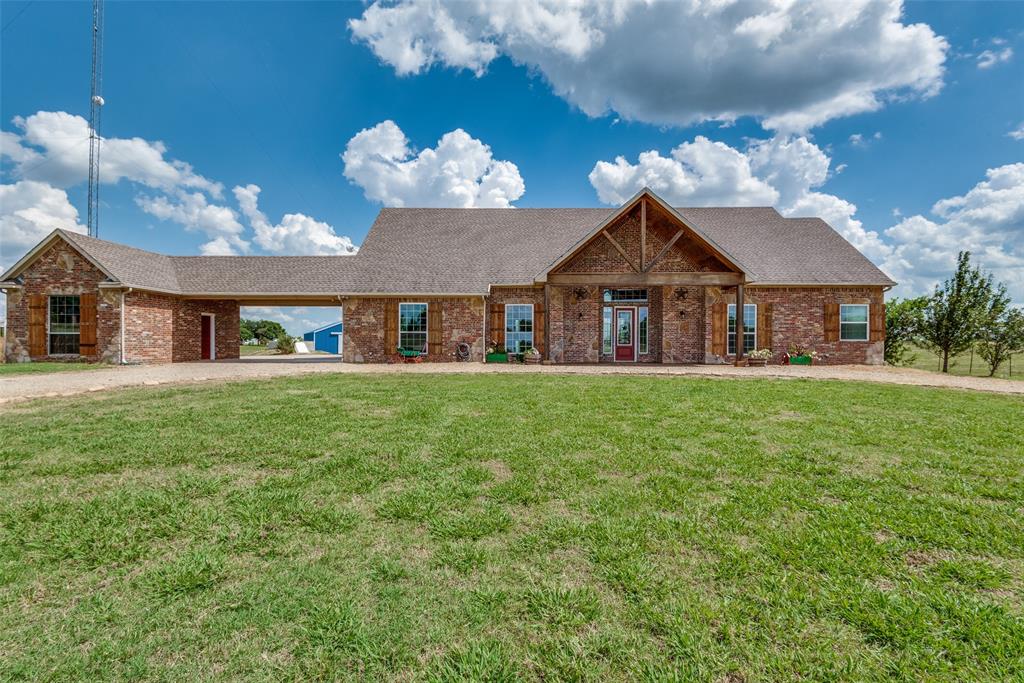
x=53, y=147
x=296, y=233
x=196, y=214
x=794, y=65
x=459, y=172
x=1018, y=132
x=29, y=211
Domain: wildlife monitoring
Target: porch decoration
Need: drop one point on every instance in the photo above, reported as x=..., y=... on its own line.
x=410, y=355
x=495, y=355
x=531, y=356
x=797, y=355
x=759, y=357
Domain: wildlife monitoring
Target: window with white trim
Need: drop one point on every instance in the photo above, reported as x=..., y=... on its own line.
x=518, y=327
x=412, y=327
x=64, y=325
x=853, y=322
x=749, y=328
x=625, y=295
x=642, y=329
x=606, y=330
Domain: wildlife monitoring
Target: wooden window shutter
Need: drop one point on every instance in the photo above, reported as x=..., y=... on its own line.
x=877, y=324
x=37, y=325
x=538, y=327
x=390, y=326
x=434, y=328
x=719, y=328
x=831, y=322
x=764, y=326
x=87, y=325
x=497, y=326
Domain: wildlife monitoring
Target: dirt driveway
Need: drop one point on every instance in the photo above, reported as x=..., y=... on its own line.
x=20, y=387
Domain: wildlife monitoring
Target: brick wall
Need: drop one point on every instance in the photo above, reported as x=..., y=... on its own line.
x=462, y=320
x=798, y=315
x=163, y=329
x=516, y=295
x=682, y=324
x=60, y=269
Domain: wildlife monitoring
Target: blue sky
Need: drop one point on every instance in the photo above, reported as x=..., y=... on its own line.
x=272, y=94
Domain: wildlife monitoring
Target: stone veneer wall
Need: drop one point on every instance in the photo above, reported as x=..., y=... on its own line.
x=60, y=269
x=798, y=318
x=163, y=329
x=462, y=320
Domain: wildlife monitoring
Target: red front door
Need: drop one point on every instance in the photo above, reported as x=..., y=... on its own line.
x=625, y=334
x=206, y=338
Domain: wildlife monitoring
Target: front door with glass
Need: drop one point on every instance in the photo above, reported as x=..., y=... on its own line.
x=625, y=334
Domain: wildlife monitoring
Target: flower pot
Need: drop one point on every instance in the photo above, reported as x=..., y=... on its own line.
x=532, y=359
x=496, y=358
x=800, y=360
x=757, y=362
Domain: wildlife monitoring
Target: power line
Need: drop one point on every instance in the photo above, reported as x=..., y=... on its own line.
x=15, y=17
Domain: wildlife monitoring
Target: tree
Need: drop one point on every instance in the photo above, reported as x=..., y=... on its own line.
x=246, y=330
x=959, y=308
x=265, y=330
x=904, y=319
x=1001, y=337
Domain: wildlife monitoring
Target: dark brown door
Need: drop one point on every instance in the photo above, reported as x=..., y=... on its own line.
x=207, y=337
x=625, y=334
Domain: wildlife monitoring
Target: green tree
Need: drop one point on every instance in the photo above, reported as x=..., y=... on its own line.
x=1001, y=337
x=246, y=330
x=904, y=319
x=959, y=308
x=265, y=330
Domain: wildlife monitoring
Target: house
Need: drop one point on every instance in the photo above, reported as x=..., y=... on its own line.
x=643, y=283
x=326, y=338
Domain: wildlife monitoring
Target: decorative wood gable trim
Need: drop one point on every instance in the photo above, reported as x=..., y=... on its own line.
x=641, y=200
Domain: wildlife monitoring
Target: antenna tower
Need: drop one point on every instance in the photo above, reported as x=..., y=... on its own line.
x=95, y=107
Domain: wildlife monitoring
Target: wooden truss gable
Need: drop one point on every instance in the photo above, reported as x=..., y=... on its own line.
x=646, y=242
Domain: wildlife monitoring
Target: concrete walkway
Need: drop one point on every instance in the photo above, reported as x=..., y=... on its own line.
x=21, y=387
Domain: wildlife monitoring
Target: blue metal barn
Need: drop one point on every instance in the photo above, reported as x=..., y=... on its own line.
x=326, y=338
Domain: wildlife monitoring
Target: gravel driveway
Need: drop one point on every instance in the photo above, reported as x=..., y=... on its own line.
x=69, y=383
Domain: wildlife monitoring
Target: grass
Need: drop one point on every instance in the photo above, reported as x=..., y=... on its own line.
x=46, y=367
x=253, y=350
x=962, y=365
x=514, y=527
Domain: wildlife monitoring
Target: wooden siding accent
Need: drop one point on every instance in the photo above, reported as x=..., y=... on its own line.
x=877, y=322
x=618, y=248
x=539, y=327
x=434, y=326
x=498, y=325
x=87, y=324
x=37, y=325
x=764, y=326
x=646, y=279
x=390, y=326
x=664, y=250
x=719, y=327
x=831, y=322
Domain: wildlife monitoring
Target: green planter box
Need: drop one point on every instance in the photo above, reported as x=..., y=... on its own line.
x=800, y=360
x=497, y=358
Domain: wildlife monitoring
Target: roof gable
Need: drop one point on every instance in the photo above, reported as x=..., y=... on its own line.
x=57, y=235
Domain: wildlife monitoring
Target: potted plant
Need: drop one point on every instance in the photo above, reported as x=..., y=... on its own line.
x=799, y=355
x=759, y=357
x=531, y=356
x=495, y=354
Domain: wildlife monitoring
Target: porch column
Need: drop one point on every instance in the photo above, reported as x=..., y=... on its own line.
x=740, y=326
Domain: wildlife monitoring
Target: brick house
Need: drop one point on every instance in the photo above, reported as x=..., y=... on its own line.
x=644, y=283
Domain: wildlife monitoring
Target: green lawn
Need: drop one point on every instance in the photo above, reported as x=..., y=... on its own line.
x=39, y=367
x=514, y=527
x=962, y=365
x=251, y=350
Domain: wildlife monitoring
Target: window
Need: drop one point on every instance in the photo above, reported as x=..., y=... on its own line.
x=620, y=295
x=606, y=330
x=853, y=322
x=642, y=325
x=749, y=328
x=64, y=325
x=412, y=327
x=518, y=327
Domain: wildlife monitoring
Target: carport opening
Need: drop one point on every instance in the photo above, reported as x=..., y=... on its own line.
x=307, y=331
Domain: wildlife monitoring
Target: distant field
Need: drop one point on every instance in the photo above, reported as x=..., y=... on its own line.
x=514, y=528
x=962, y=365
x=245, y=350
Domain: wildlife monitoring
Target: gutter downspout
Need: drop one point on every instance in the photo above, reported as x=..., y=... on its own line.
x=123, y=292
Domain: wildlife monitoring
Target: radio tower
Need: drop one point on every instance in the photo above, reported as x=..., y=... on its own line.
x=95, y=107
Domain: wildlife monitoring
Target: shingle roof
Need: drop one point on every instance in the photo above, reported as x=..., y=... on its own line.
x=465, y=251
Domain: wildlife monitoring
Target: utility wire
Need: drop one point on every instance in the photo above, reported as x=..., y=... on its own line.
x=15, y=17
